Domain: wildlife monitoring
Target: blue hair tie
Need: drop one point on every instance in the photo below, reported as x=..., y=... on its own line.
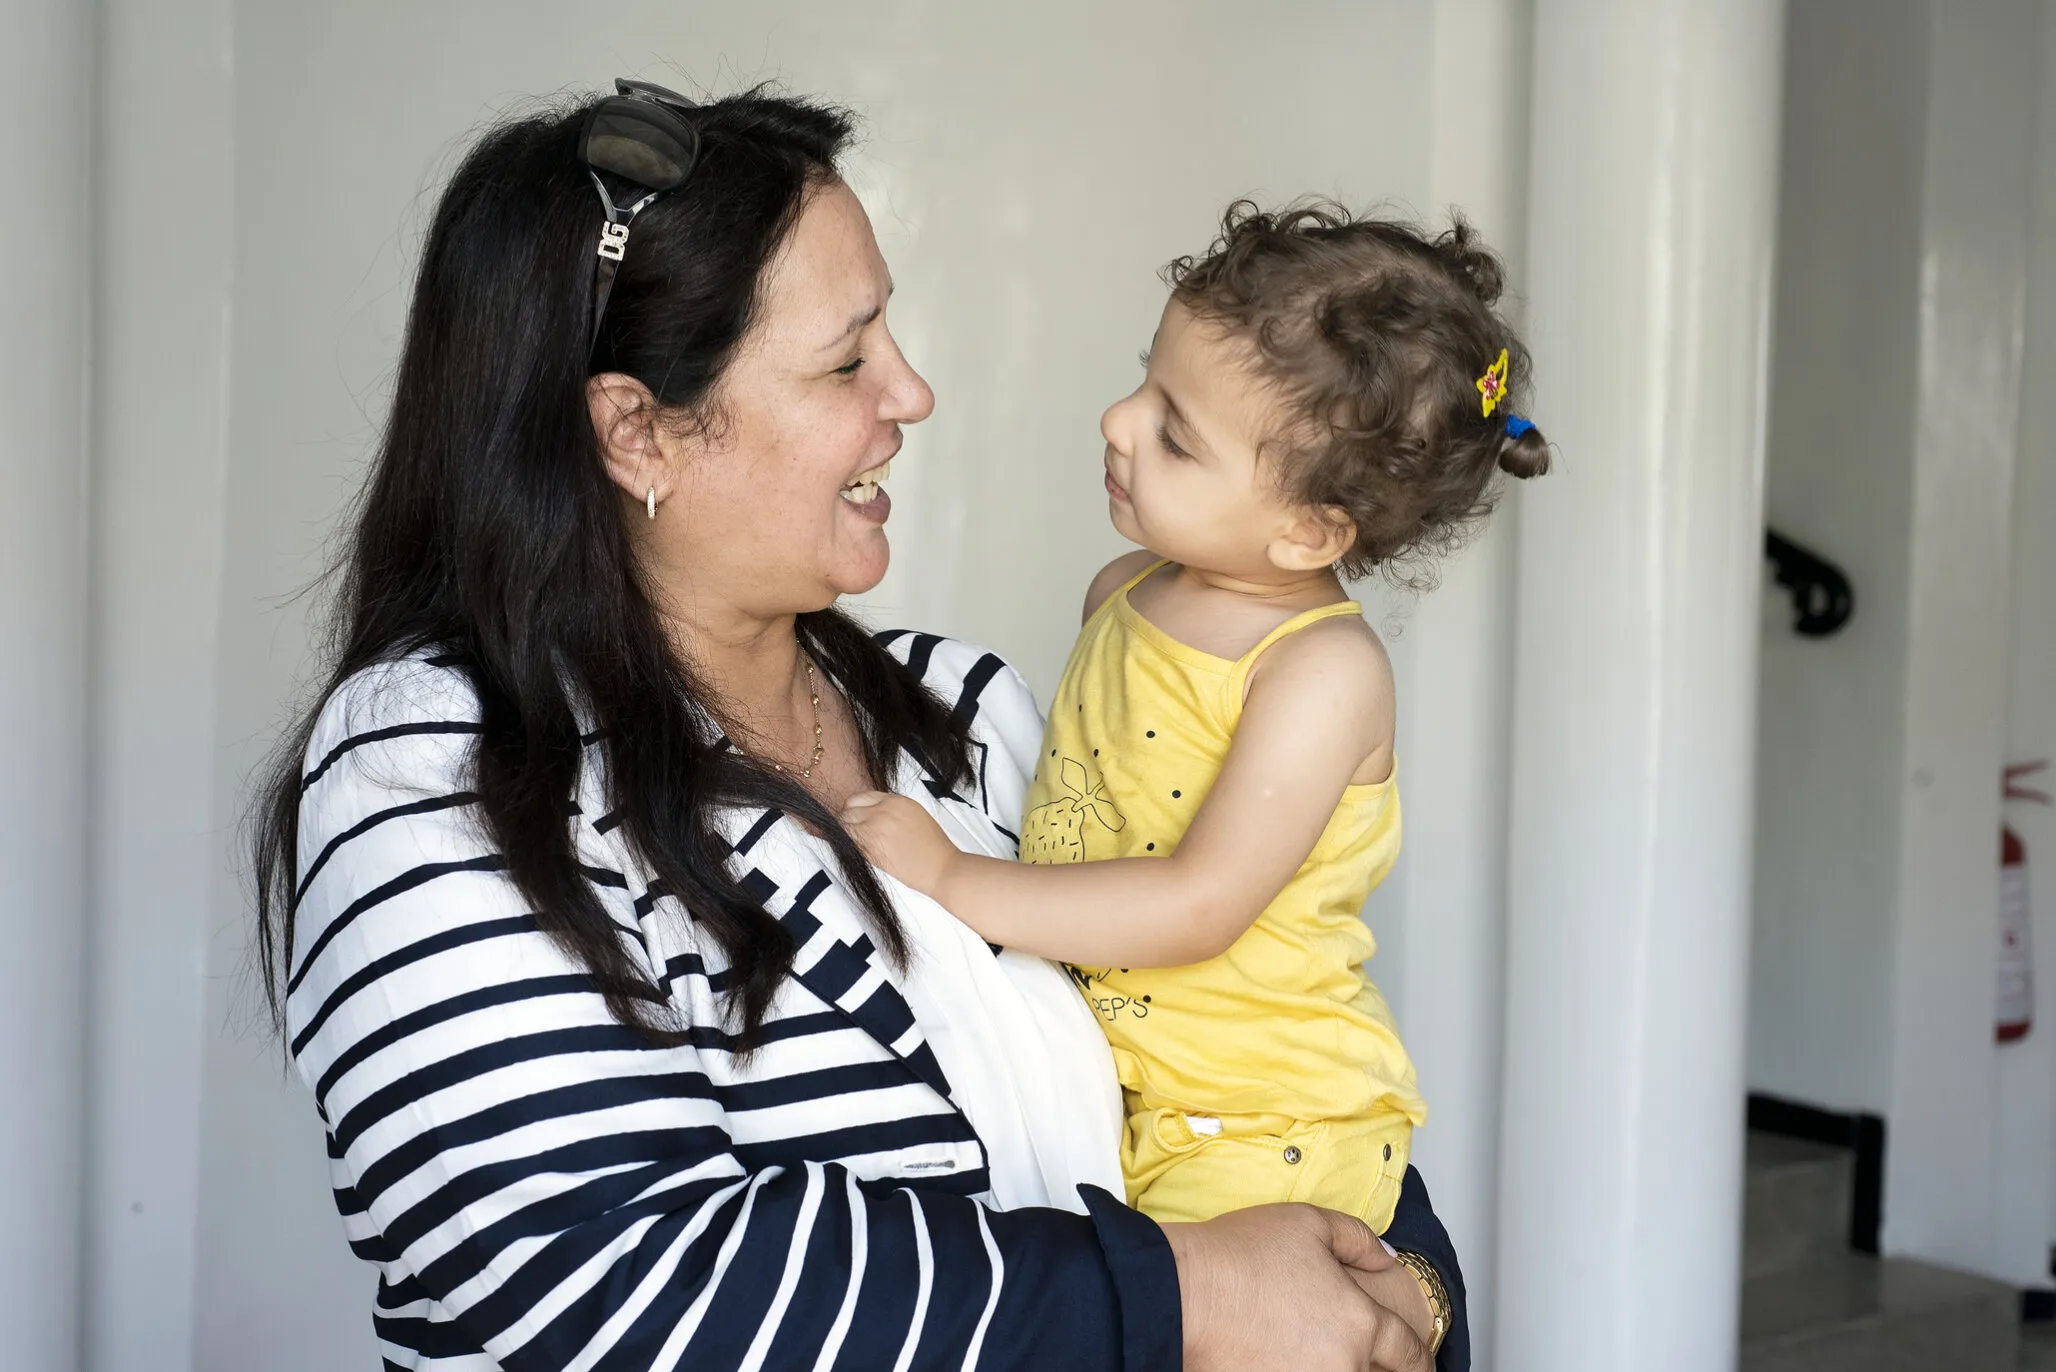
x=1516, y=426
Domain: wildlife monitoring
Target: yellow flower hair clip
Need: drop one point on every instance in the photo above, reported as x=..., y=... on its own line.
x=1492, y=385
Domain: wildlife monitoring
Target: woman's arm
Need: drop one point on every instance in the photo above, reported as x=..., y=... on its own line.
x=1317, y=711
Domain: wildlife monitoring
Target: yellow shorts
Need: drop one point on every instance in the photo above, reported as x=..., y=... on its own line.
x=1182, y=1166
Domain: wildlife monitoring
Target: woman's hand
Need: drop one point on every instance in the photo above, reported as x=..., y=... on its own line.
x=1282, y=1287
x=1399, y=1291
x=901, y=838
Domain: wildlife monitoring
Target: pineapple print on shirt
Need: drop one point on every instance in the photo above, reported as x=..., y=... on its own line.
x=1055, y=832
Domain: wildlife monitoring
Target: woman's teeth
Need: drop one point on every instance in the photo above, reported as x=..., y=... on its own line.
x=864, y=489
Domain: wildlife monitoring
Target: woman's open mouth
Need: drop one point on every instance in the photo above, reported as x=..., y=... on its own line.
x=867, y=493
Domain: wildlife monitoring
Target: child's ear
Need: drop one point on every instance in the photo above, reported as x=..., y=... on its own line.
x=1316, y=538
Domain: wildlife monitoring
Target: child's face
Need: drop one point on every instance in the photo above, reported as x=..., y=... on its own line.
x=1184, y=475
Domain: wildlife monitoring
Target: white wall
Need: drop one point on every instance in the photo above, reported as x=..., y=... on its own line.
x=45, y=259
x=1940, y=1201
x=2024, y=1158
x=1027, y=189
x=1028, y=171
x=1839, y=478
x=160, y=395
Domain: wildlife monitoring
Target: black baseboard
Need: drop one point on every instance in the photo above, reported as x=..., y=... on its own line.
x=1862, y=1134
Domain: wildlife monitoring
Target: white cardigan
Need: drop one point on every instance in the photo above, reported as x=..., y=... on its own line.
x=540, y=1188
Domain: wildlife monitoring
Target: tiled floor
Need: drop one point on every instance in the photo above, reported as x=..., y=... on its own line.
x=2038, y=1348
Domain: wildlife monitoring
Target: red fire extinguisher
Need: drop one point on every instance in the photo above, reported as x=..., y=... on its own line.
x=2016, y=965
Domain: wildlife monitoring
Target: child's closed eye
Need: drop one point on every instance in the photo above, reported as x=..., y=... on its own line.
x=1170, y=444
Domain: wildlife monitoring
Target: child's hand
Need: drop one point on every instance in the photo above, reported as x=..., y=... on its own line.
x=901, y=837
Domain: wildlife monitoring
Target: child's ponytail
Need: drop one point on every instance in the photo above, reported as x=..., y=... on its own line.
x=1525, y=454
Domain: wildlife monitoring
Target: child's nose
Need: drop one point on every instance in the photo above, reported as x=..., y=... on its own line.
x=1117, y=425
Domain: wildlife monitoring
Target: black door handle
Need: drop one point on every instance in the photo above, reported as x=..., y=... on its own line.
x=1822, y=599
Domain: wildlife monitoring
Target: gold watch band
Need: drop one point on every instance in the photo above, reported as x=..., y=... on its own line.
x=1438, y=1295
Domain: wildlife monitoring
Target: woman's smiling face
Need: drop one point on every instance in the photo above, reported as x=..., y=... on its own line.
x=777, y=508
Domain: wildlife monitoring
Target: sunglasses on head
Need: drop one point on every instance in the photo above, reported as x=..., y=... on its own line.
x=643, y=135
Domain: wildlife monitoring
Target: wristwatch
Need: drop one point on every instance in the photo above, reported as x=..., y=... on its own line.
x=1438, y=1295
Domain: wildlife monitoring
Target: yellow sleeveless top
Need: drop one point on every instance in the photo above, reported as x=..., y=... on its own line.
x=1284, y=1023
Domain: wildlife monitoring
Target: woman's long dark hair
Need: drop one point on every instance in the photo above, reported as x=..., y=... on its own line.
x=489, y=532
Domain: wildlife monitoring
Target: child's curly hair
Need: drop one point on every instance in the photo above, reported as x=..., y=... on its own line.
x=1375, y=336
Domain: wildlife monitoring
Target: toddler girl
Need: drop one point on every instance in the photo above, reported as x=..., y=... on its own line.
x=1216, y=794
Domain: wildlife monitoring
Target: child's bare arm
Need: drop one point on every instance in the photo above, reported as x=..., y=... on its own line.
x=1318, y=715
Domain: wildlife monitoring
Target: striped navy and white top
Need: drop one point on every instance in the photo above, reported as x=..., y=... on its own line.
x=541, y=1188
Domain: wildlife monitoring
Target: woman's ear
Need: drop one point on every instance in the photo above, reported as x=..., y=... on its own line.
x=1314, y=539
x=624, y=417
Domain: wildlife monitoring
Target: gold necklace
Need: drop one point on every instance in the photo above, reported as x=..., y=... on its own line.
x=814, y=694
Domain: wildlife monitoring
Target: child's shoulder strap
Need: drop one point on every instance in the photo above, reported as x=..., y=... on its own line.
x=1239, y=680
x=1145, y=574
x=1120, y=593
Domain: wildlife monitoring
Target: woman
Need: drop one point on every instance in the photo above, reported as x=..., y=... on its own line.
x=626, y=1057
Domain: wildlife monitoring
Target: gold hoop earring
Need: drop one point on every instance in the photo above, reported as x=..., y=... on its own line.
x=650, y=502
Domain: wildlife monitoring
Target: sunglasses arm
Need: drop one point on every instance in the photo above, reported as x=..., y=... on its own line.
x=612, y=248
